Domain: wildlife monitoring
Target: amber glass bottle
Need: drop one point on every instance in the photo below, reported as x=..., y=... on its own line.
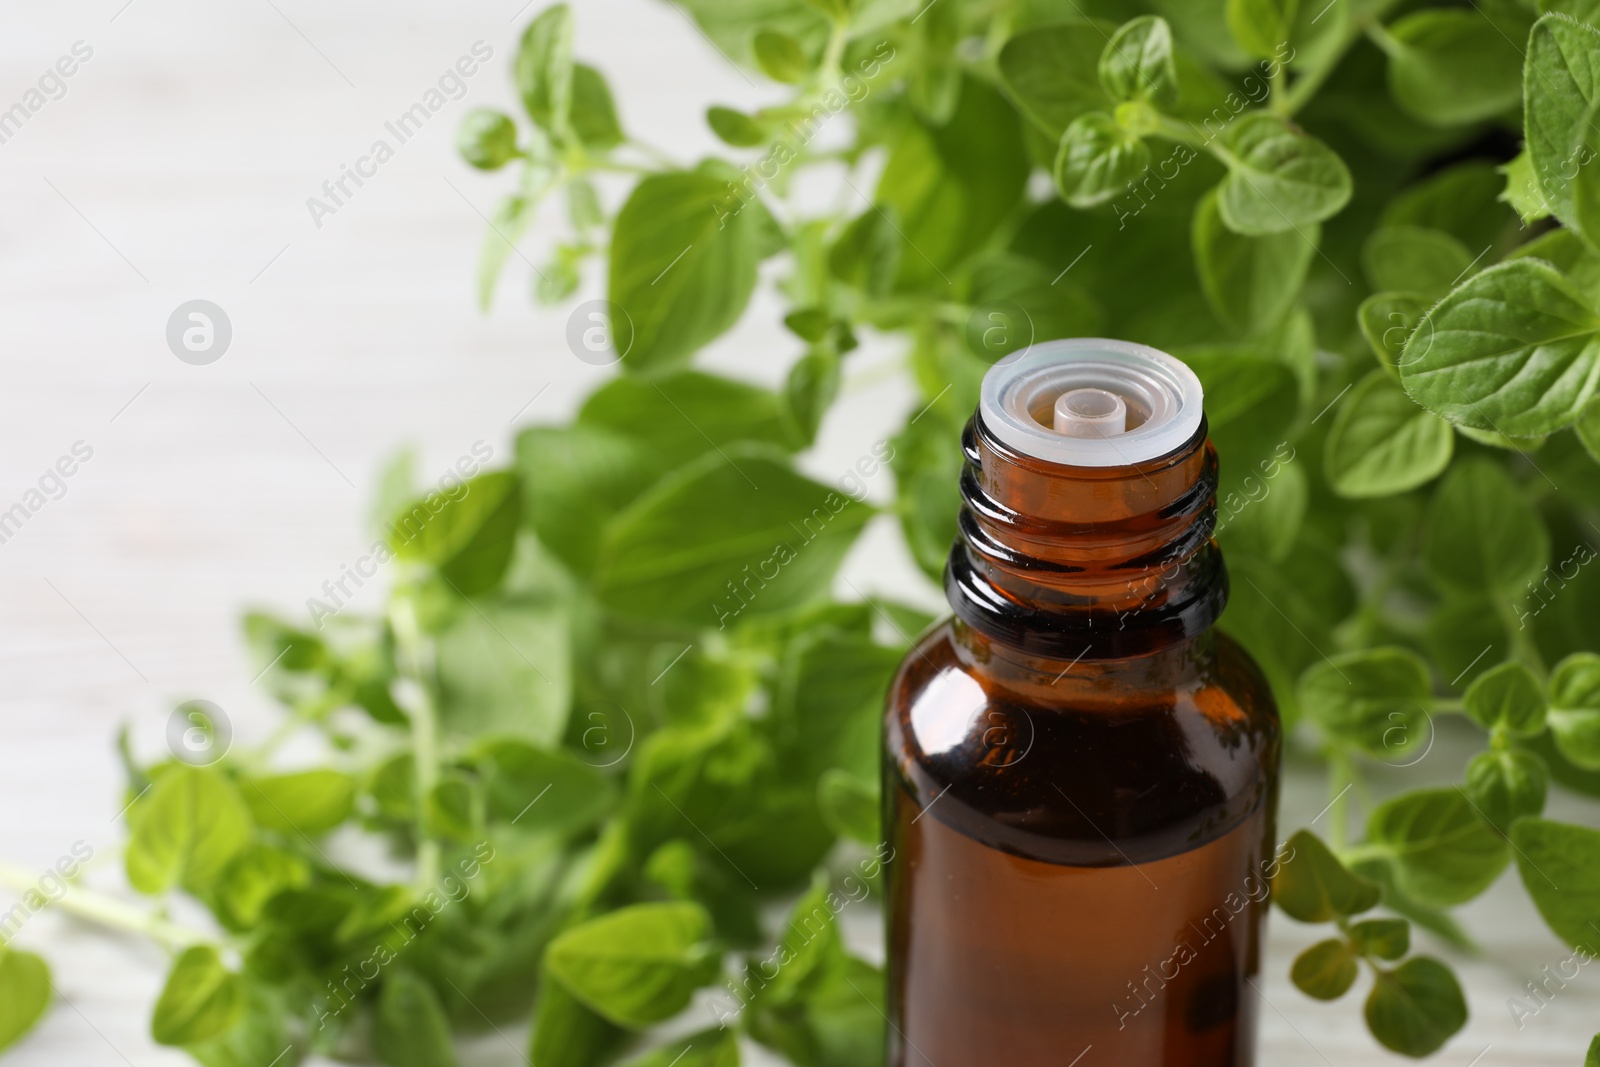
x=1081, y=774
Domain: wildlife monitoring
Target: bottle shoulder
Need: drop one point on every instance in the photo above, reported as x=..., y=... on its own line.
x=1088, y=763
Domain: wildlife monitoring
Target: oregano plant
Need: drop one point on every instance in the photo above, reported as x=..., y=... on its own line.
x=617, y=707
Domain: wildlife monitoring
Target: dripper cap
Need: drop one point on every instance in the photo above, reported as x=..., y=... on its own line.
x=1091, y=402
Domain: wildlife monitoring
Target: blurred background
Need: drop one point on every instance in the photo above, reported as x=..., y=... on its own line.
x=176, y=165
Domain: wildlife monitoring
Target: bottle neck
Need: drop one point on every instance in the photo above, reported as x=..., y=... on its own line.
x=1071, y=563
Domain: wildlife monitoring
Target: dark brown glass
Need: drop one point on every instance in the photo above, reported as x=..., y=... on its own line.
x=1080, y=780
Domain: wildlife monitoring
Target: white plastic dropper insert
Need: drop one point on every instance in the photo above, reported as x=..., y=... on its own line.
x=1091, y=402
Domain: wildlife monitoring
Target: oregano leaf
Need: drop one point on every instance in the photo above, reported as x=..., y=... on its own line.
x=1278, y=179
x=1326, y=970
x=1417, y=1007
x=1514, y=349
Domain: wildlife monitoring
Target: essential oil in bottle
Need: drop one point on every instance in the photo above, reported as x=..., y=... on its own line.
x=1081, y=774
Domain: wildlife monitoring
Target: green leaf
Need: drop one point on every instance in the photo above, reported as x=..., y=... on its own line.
x=1588, y=430
x=1314, y=887
x=510, y=221
x=1381, y=443
x=1482, y=533
x=260, y=1035
x=734, y=533
x=568, y=1034
x=543, y=68
x=1251, y=282
x=683, y=416
x=1586, y=182
x=927, y=465
x=1266, y=526
x=808, y=391
x=840, y=1020
x=583, y=204
x=1137, y=63
x=689, y=875
x=726, y=785
x=1442, y=849
x=810, y=944
x=735, y=128
x=850, y=805
x=574, y=478
x=781, y=57
x=409, y=1028
x=1284, y=611
x=1260, y=26
x=1513, y=349
x=1560, y=868
x=255, y=876
x=1592, y=1058
x=1507, y=784
x=1387, y=322
x=1097, y=158
x=1326, y=970
x=1435, y=920
x=1051, y=73
x=1575, y=708
x=1417, y=1007
x=1415, y=259
x=828, y=707
x=1278, y=179
x=1452, y=67
x=867, y=253
x=24, y=993
x=1014, y=303
x=537, y=789
x=1458, y=631
x=307, y=802
x=638, y=965
x=701, y=689
x=1561, y=82
x=466, y=533
x=1507, y=697
x=1522, y=192
x=450, y=810
x=504, y=670
x=594, y=113
x=1387, y=939
x=201, y=999
x=1503, y=441
x=1462, y=200
x=487, y=138
x=393, y=787
x=1582, y=10
x=1250, y=392
x=185, y=830
x=952, y=185
x=684, y=251
x=1376, y=699
x=708, y=1048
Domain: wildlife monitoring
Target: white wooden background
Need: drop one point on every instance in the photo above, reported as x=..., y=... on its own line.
x=177, y=166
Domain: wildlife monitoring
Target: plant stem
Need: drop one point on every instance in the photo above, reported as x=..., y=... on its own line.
x=412, y=659
x=828, y=71
x=1341, y=778
x=1382, y=38
x=1301, y=92
x=1523, y=647
x=654, y=153
x=1175, y=130
x=105, y=910
x=1278, y=90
